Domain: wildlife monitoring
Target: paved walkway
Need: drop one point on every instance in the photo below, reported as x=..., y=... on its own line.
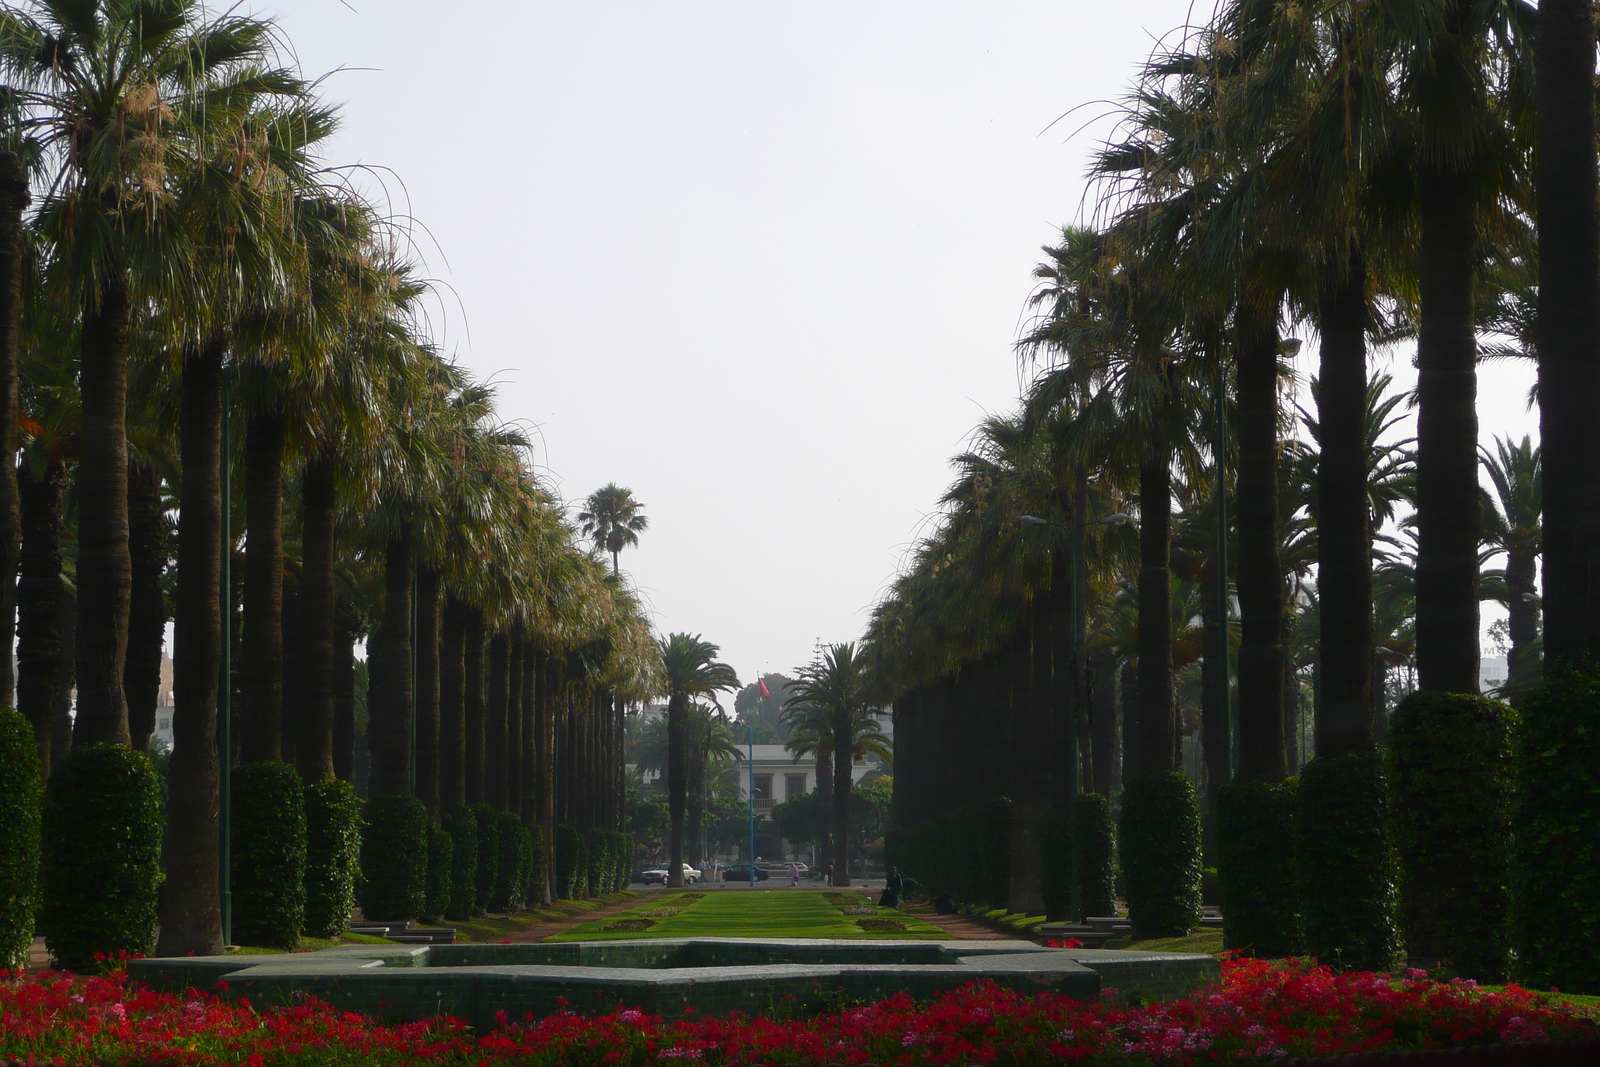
x=541, y=931
x=964, y=929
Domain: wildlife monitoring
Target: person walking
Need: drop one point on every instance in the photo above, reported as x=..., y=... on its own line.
x=794, y=877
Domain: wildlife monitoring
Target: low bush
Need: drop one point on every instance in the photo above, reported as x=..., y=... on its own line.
x=1160, y=842
x=462, y=826
x=1557, y=869
x=534, y=889
x=333, y=856
x=21, y=798
x=1451, y=779
x=269, y=855
x=1256, y=847
x=600, y=848
x=1055, y=864
x=101, y=859
x=1344, y=863
x=1094, y=850
x=488, y=854
x=394, y=858
x=966, y=853
x=571, y=863
x=441, y=874
x=511, y=877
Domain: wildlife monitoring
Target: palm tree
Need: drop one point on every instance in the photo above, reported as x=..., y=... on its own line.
x=836, y=685
x=613, y=520
x=1511, y=525
x=13, y=200
x=691, y=670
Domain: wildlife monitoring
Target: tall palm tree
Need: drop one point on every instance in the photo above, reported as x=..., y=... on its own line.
x=691, y=670
x=836, y=686
x=613, y=519
x=13, y=201
x=1511, y=514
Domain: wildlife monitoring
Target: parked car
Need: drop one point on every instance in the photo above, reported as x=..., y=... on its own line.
x=741, y=873
x=658, y=876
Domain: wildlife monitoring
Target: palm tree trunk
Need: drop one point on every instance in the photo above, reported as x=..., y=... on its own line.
x=544, y=710
x=472, y=705
x=39, y=603
x=1522, y=662
x=695, y=803
x=427, y=659
x=293, y=669
x=1213, y=706
x=1260, y=569
x=452, y=724
x=13, y=199
x=314, y=751
x=262, y=736
x=191, y=915
x=345, y=625
x=1569, y=328
x=514, y=721
x=494, y=733
x=531, y=771
x=825, y=792
x=1103, y=704
x=390, y=695
x=1447, y=440
x=843, y=753
x=1130, y=720
x=147, y=612
x=1344, y=524
x=677, y=782
x=1158, y=734
x=66, y=674
x=105, y=571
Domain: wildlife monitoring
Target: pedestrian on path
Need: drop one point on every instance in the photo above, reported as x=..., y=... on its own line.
x=794, y=877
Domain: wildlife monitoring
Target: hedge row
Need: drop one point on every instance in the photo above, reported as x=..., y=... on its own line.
x=1094, y=852
x=20, y=803
x=1256, y=854
x=966, y=854
x=333, y=856
x=462, y=826
x=572, y=864
x=269, y=855
x=394, y=858
x=1346, y=868
x=1161, y=853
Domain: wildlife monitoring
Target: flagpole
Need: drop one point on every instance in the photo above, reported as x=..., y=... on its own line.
x=751, y=741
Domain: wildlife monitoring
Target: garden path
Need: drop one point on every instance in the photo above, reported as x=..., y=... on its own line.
x=964, y=929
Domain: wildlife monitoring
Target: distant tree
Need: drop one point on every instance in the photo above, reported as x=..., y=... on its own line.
x=692, y=671
x=1511, y=526
x=613, y=520
x=764, y=713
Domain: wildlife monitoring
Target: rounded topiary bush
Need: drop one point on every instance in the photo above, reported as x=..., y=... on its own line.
x=511, y=870
x=394, y=859
x=101, y=856
x=1161, y=854
x=599, y=847
x=1256, y=848
x=20, y=802
x=1094, y=850
x=1451, y=782
x=441, y=870
x=462, y=826
x=333, y=851
x=1055, y=863
x=1344, y=862
x=1557, y=824
x=534, y=887
x=269, y=855
x=488, y=854
x=571, y=862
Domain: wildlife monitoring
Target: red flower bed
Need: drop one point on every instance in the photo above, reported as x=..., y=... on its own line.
x=1259, y=1010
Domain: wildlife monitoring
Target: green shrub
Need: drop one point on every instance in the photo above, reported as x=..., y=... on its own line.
x=441, y=875
x=599, y=848
x=269, y=855
x=571, y=862
x=1345, y=867
x=462, y=826
x=333, y=851
x=533, y=889
x=1451, y=781
x=625, y=848
x=1094, y=849
x=1255, y=866
x=512, y=867
x=1055, y=864
x=1161, y=854
x=488, y=853
x=394, y=859
x=20, y=801
x=1557, y=827
x=966, y=853
x=101, y=836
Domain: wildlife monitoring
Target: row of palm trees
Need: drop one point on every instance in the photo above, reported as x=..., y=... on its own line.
x=1360, y=171
x=187, y=284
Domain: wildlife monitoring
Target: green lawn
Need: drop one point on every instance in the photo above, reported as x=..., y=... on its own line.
x=754, y=913
x=1207, y=939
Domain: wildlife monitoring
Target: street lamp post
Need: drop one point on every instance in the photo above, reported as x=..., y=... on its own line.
x=225, y=690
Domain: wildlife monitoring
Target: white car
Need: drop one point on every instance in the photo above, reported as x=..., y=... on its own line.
x=658, y=876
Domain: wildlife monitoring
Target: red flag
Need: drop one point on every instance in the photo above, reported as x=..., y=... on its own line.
x=761, y=687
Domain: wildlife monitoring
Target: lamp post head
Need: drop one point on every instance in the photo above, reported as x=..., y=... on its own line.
x=1034, y=520
x=1113, y=520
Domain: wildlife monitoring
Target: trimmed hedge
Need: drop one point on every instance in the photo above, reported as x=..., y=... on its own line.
x=1451, y=783
x=511, y=871
x=488, y=855
x=1161, y=854
x=1094, y=849
x=333, y=856
x=394, y=859
x=572, y=862
x=21, y=797
x=602, y=860
x=1558, y=834
x=1345, y=864
x=966, y=853
x=462, y=826
x=103, y=814
x=441, y=875
x=269, y=855
x=533, y=887
x=1055, y=864
x=1256, y=847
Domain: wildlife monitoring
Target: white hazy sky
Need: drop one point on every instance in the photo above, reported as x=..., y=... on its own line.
x=762, y=263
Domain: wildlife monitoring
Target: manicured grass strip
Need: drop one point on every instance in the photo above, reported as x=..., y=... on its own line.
x=499, y=927
x=1207, y=939
x=755, y=913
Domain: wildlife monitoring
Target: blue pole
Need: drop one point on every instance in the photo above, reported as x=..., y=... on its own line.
x=751, y=741
x=225, y=691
